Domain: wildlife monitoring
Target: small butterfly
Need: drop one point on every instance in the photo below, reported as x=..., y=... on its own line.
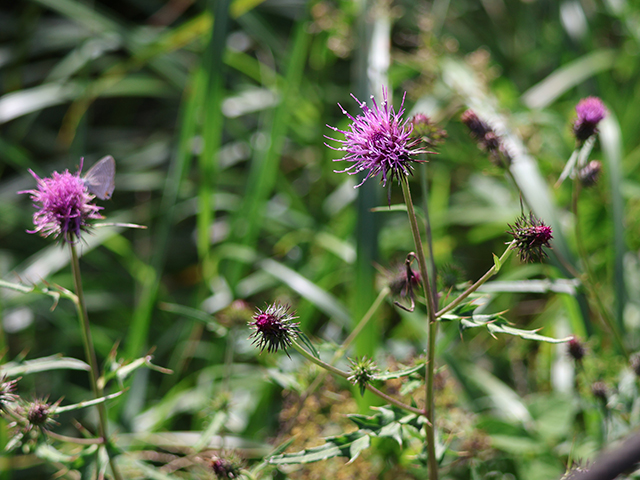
x=101, y=178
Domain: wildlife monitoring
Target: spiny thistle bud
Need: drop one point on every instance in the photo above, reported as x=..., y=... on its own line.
x=63, y=205
x=590, y=111
x=530, y=234
x=429, y=133
x=449, y=276
x=590, y=174
x=39, y=414
x=576, y=349
x=363, y=370
x=7, y=392
x=379, y=141
x=274, y=328
x=225, y=466
x=600, y=391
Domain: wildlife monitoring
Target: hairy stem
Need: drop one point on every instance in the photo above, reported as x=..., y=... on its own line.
x=90, y=353
x=429, y=410
x=490, y=273
x=343, y=374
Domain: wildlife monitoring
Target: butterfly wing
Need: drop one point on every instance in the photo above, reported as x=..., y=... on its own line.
x=101, y=178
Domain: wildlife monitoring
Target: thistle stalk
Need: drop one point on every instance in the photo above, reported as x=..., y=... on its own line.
x=90, y=354
x=429, y=410
x=343, y=374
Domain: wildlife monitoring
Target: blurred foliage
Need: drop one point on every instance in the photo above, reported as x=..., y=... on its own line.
x=215, y=113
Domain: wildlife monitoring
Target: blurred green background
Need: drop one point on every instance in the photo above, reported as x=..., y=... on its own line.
x=216, y=114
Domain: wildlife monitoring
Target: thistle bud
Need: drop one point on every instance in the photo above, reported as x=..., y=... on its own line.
x=363, y=370
x=426, y=131
x=600, y=391
x=274, y=328
x=531, y=234
x=590, y=112
x=576, y=349
x=590, y=174
x=225, y=466
x=488, y=140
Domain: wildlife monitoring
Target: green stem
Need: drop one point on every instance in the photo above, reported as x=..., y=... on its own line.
x=343, y=374
x=339, y=352
x=90, y=353
x=429, y=410
x=490, y=273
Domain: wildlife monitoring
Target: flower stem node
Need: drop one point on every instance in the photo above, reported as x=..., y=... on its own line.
x=379, y=142
x=531, y=234
x=274, y=328
x=363, y=371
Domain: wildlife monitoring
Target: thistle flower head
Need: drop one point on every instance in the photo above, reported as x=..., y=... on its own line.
x=530, y=235
x=487, y=139
x=274, y=328
x=39, y=414
x=576, y=349
x=403, y=281
x=590, y=111
x=225, y=466
x=429, y=133
x=63, y=206
x=590, y=174
x=600, y=391
x=378, y=141
x=363, y=370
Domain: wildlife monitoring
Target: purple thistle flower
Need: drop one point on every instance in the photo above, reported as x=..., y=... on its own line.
x=225, y=466
x=378, y=141
x=63, y=206
x=590, y=111
x=576, y=349
x=531, y=234
x=274, y=328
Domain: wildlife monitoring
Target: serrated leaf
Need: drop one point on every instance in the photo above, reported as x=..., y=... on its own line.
x=503, y=327
x=53, y=362
x=401, y=373
x=339, y=446
x=387, y=422
x=495, y=323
